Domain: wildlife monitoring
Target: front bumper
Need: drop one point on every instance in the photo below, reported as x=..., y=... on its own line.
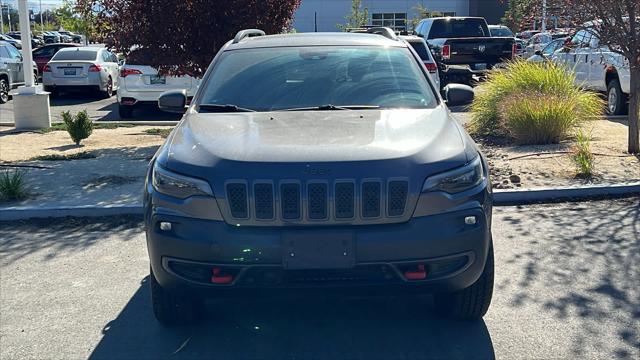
x=452, y=253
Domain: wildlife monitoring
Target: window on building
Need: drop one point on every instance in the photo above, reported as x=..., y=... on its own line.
x=396, y=21
x=449, y=13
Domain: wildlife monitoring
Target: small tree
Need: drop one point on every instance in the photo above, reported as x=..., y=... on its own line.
x=182, y=37
x=357, y=18
x=67, y=17
x=422, y=13
x=79, y=127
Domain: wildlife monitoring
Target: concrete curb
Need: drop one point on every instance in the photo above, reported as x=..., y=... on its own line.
x=500, y=197
x=22, y=213
x=137, y=123
x=562, y=194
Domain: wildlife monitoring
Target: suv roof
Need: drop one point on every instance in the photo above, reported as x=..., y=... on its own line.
x=314, y=39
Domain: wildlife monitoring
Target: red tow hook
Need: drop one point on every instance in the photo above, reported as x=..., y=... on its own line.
x=418, y=274
x=218, y=278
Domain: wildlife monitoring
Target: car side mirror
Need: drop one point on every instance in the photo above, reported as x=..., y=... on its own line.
x=173, y=101
x=458, y=94
x=539, y=53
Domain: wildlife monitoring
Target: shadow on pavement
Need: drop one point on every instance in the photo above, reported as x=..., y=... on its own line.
x=300, y=328
x=590, y=262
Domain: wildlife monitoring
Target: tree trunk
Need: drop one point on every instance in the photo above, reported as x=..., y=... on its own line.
x=634, y=110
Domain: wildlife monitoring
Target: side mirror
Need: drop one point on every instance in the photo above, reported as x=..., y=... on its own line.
x=539, y=53
x=173, y=101
x=458, y=94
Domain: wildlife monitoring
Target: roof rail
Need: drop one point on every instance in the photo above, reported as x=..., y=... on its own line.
x=247, y=33
x=378, y=30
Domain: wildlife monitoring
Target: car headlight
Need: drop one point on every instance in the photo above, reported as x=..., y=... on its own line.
x=176, y=185
x=457, y=180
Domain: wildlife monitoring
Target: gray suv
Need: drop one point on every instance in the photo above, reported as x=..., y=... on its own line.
x=312, y=162
x=11, y=70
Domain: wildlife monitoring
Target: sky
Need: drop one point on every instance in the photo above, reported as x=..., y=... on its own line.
x=35, y=4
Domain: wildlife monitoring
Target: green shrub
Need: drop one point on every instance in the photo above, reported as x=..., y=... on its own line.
x=79, y=127
x=582, y=157
x=545, y=88
x=12, y=185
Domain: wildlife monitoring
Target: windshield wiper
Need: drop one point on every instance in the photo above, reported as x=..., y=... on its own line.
x=222, y=108
x=333, y=107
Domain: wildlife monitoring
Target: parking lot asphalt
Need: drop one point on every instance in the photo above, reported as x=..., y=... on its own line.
x=99, y=109
x=566, y=287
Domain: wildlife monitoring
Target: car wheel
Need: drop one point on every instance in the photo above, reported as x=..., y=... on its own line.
x=172, y=309
x=126, y=112
x=616, y=99
x=473, y=302
x=4, y=91
x=109, y=90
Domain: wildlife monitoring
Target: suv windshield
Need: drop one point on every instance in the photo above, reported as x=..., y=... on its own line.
x=457, y=28
x=267, y=79
x=82, y=55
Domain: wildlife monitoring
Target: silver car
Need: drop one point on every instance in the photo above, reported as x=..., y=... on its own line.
x=81, y=68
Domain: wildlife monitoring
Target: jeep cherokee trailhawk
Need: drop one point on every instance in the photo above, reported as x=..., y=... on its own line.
x=316, y=161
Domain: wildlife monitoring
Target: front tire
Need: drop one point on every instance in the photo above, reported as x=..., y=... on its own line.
x=4, y=91
x=171, y=308
x=616, y=99
x=473, y=302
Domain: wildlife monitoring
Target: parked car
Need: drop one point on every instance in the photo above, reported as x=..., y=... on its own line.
x=82, y=68
x=318, y=161
x=7, y=39
x=526, y=35
x=141, y=84
x=44, y=54
x=598, y=68
x=76, y=38
x=421, y=47
x=500, y=31
x=11, y=70
x=464, y=48
x=547, y=52
x=35, y=42
x=540, y=40
x=51, y=38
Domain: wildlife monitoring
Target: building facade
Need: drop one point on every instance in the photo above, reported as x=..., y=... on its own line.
x=325, y=15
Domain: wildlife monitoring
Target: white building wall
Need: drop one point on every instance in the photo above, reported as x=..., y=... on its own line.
x=332, y=12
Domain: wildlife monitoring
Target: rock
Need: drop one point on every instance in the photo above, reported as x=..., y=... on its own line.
x=515, y=179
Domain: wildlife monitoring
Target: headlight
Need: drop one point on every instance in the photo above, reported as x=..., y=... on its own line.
x=457, y=180
x=176, y=185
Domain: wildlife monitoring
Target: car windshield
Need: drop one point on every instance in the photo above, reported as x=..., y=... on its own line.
x=457, y=28
x=81, y=55
x=267, y=79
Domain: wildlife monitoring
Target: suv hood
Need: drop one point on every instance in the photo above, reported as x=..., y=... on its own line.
x=227, y=141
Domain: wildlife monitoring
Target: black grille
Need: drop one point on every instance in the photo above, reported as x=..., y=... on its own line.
x=264, y=201
x=290, y=200
x=345, y=194
x=317, y=197
x=237, y=197
x=397, y=197
x=371, y=199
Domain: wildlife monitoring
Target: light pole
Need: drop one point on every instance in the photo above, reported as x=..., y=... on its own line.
x=544, y=15
x=30, y=104
x=41, y=23
x=1, y=17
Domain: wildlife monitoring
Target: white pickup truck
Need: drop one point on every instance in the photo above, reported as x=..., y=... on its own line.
x=598, y=68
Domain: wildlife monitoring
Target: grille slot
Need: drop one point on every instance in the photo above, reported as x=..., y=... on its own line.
x=344, y=199
x=370, y=199
x=290, y=200
x=317, y=199
x=397, y=197
x=263, y=194
x=237, y=197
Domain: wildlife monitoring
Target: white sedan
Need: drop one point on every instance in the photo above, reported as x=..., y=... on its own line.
x=82, y=68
